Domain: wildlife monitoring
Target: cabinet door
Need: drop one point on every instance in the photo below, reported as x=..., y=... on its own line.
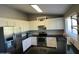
x=8, y=31
x=34, y=40
x=51, y=42
x=26, y=44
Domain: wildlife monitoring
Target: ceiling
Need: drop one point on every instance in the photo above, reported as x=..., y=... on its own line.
x=57, y=9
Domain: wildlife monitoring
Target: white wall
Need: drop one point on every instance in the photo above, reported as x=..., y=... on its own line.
x=51, y=24
x=9, y=12
x=24, y=25
x=12, y=17
x=68, y=26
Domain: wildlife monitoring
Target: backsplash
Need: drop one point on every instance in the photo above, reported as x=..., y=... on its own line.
x=49, y=32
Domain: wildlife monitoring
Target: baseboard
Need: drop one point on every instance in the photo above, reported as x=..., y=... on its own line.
x=34, y=46
x=51, y=47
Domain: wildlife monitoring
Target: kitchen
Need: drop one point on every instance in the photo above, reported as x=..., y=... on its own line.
x=25, y=31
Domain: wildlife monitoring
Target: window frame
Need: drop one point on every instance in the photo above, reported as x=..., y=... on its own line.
x=72, y=26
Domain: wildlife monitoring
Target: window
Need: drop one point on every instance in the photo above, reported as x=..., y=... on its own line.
x=71, y=25
x=74, y=24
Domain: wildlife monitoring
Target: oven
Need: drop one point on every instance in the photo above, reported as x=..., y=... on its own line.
x=41, y=39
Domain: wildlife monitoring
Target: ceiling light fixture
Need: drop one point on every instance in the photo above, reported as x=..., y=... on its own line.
x=36, y=7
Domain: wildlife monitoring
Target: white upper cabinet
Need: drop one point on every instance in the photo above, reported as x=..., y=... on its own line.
x=55, y=23
x=51, y=24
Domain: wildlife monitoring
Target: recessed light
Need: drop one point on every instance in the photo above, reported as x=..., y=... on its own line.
x=36, y=7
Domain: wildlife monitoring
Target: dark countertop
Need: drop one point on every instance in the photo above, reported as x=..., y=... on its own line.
x=55, y=35
x=47, y=36
x=50, y=33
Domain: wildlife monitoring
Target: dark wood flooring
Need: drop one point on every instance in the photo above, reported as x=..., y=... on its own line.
x=41, y=50
x=61, y=48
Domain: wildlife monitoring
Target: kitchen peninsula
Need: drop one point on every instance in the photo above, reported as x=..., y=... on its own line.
x=55, y=40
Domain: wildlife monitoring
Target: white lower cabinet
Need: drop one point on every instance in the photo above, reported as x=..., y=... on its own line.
x=34, y=40
x=26, y=43
x=51, y=42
